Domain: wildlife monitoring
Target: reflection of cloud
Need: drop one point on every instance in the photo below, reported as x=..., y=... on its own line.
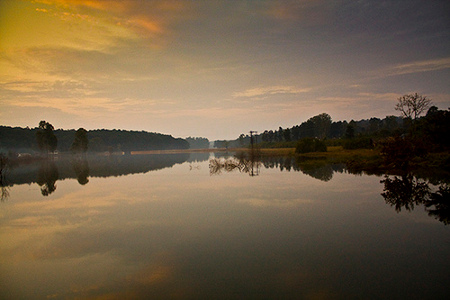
x=278, y=203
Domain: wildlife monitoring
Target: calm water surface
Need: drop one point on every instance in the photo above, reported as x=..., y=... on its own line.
x=183, y=227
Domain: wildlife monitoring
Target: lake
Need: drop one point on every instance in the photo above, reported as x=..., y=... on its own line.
x=215, y=226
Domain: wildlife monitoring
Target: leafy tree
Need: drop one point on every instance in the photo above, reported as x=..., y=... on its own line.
x=374, y=125
x=46, y=139
x=265, y=136
x=241, y=140
x=322, y=124
x=435, y=127
x=287, y=135
x=80, y=142
x=391, y=123
x=337, y=129
x=412, y=105
x=280, y=134
x=350, y=130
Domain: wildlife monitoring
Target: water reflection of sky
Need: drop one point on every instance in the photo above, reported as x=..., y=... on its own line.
x=180, y=232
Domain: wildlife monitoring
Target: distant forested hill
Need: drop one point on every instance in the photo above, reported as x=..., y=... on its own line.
x=24, y=140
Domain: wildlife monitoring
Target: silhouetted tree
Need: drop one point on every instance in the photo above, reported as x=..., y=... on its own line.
x=322, y=124
x=434, y=128
x=80, y=142
x=287, y=135
x=241, y=140
x=46, y=139
x=280, y=134
x=350, y=130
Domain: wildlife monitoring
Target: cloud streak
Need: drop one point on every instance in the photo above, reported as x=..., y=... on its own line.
x=418, y=67
x=265, y=92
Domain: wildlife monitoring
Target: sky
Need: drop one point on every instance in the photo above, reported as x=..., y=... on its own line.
x=217, y=69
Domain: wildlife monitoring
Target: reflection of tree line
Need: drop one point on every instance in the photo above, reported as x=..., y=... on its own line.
x=404, y=191
x=46, y=172
x=246, y=162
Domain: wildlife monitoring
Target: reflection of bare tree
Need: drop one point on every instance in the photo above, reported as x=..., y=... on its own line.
x=407, y=191
x=243, y=162
x=81, y=167
x=47, y=177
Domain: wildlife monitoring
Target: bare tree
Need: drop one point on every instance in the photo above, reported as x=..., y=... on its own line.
x=412, y=105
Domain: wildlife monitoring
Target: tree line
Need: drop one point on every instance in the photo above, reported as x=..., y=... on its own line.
x=321, y=127
x=418, y=119
x=198, y=142
x=44, y=138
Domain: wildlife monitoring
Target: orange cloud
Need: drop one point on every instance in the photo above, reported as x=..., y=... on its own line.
x=143, y=23
x=144, y=17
